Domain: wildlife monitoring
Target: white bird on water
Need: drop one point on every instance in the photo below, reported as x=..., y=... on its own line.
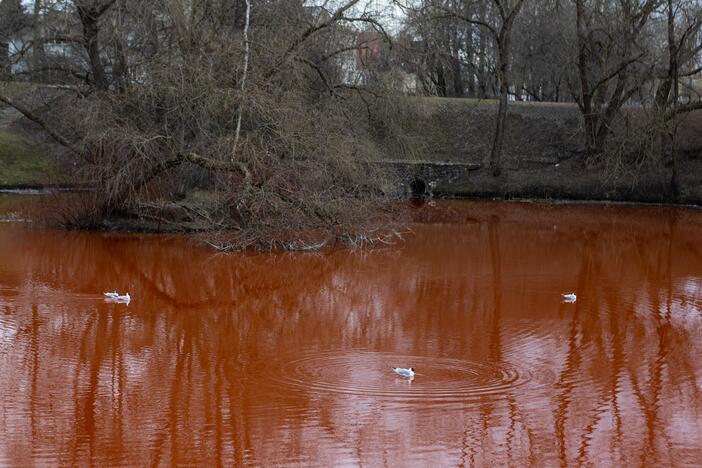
x=116, y=297
x=402, y=372
x=126, y=298
x=569, y=297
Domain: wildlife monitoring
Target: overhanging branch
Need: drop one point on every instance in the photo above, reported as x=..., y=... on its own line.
x=56, y=136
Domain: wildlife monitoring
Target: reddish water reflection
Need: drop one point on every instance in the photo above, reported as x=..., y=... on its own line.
x=284, y=359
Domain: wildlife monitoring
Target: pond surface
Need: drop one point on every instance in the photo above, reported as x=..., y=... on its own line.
x=285, y=358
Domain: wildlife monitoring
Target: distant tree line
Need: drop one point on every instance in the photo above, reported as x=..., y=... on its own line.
x=601, y=55
x=252, y=91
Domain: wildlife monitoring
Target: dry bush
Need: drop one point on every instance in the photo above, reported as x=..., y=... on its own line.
x=647, y=144
x=634, y=145
x=165, y=147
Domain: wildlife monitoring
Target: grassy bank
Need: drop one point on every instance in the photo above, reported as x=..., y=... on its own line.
x=23, y=163
x=453, y=129
x=544, y=156
x=14, y=88
x=25, y=158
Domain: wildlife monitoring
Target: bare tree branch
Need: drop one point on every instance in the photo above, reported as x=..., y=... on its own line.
x=243, y=78
x=56, y=136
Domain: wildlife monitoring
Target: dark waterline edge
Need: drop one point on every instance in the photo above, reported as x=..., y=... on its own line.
x=567, y=201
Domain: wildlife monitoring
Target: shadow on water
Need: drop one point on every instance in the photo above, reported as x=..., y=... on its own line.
x=285, y=358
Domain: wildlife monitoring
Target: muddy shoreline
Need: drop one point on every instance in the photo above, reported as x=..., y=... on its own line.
x=569, y=180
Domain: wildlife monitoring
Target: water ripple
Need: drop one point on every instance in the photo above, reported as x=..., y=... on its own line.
x=369, y=374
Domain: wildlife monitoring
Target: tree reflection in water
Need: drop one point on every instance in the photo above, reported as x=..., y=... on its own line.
x=280, y=358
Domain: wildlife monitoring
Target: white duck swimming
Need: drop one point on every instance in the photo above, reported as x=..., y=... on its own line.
x=125, y=298
x=116, y=297
x=569, y=297
x=402, y=372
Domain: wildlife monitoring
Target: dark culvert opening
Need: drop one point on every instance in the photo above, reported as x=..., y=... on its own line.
x=418, y=188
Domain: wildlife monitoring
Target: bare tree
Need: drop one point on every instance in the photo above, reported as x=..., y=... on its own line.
x=499, y=28
x=508, y=11
x=232, y=115
x=12, y=20
x=541, y=57
x=610, y=63
x=90, y=12
x=38, y=54
x=683, y=24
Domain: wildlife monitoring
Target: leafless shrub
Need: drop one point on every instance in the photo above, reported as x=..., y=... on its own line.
x=242, y=125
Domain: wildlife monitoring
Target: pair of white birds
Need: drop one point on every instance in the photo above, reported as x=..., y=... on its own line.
x=114, y=296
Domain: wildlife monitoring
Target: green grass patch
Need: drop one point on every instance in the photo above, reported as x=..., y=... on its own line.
x=23, y=163
x=13, y=88
x=493, y=102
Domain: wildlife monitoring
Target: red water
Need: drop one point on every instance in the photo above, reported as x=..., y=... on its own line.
x=284, y=359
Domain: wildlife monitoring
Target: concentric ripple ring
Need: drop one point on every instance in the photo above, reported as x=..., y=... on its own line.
x=367, y=373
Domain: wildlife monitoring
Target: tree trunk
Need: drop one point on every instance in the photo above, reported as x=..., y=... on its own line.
x=496, y=153
x=89, y=19
x=38, y=54
x=590, y=119
x=673, y=184
x=482, y=71
x=120, y=69
x=673, y=69
x=4, y=60
x=470, y=56
x=504, y=44
x=120, y=66
x=6, y=30
x=458, y=88
x=440, y=80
